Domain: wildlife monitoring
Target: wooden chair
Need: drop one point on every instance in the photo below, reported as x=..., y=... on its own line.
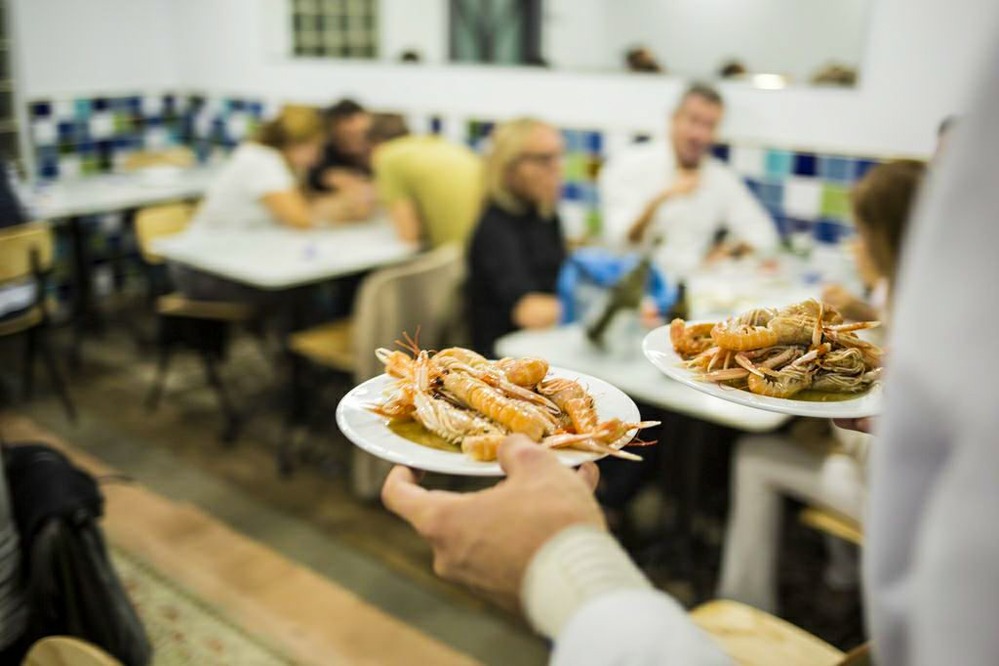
x=832, y=523
x=754, y=638
x=203, y=326
x=26, y=253
x=67, y=651
x=417, y=296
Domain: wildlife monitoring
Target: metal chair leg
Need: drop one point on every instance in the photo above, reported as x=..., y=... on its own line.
x=30, y=358
x=55, y=376
x=231, y=431
x=162, y=367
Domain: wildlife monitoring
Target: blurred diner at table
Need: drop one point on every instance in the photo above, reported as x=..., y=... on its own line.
x=677, y=193
x=517, y=247
x=260, y=186
x=346, y=156
x=430, y=188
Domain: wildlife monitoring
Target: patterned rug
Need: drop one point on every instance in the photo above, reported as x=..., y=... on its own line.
x=183, y=628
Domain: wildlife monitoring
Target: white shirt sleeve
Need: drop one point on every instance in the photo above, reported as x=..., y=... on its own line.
x=583, y=590
x=747, y=219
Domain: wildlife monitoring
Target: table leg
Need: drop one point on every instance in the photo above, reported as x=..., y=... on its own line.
x=297, y=411
x=82, y=286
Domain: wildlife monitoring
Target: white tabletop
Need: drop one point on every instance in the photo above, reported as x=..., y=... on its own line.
x=283, y=258
x=567, y=347
x=111, y=192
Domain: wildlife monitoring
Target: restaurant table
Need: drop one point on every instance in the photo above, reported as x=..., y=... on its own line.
x=290, y=261
x=281, y=258
x=66, y=202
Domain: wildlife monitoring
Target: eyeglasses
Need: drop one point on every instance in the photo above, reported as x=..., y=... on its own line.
x=541, y=159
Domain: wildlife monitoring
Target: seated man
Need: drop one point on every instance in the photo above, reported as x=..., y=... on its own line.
x=431, y=188
x=681, y=195
x=346, y=158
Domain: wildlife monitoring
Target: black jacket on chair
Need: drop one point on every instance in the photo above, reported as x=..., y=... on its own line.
x=72, y=588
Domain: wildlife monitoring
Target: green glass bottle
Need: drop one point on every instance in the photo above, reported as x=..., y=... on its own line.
x=625, y=296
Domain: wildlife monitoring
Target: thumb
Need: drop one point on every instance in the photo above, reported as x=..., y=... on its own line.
x=518, y=455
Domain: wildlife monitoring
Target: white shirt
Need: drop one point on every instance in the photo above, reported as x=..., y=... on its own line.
x=687, y=224
x=931, y=556
x=234, y=200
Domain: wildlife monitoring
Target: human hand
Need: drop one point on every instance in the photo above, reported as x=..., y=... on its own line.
x=865, y=425
x=486, y=540
x=537, y=310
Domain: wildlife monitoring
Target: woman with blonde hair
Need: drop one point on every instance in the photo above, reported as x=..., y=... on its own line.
x=259, y=187
x=517, y=247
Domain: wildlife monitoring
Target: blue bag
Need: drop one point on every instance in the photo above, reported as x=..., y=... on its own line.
x=590, y=271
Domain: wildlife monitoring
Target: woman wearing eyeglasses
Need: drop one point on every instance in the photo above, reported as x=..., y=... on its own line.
x=517, y=247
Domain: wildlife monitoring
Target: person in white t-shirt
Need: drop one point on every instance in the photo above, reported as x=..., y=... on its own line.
x=676, y=192
x=259, y=187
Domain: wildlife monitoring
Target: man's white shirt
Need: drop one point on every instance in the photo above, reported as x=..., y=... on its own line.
x=686, y=224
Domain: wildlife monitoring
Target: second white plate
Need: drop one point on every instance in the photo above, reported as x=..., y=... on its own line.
x=659, y=350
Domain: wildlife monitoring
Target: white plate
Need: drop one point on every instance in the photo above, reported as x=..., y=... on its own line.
x=659, y=350
x=370, y=431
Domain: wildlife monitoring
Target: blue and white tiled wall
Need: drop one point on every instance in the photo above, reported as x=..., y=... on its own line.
x=89, y=135
x=802, y=190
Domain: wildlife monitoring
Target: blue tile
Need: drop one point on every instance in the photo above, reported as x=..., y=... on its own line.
x=863, y=166
x=571, y=192
x=81, y=107
x=594, y=143
x=41, y=109
x=720, y=151
x=436, y=124
x=256, y=109
x=86, y=147
x=805, y=164
x=754, y=186
x=101, y=104
x=772, y=195
x=67, y=131
x=829, y=231
x=590, y=194
x=839, y=169
x=574, y=142
x=783, y=224
x=778, y=164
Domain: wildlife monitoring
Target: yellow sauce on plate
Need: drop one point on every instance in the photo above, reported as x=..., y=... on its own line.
x=811, y=395
x=417, y=434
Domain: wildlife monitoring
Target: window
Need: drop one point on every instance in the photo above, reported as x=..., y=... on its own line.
x=9, y=146
x=335, y=28
x=504, y=32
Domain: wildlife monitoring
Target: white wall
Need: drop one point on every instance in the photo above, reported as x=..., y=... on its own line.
x=66, y=47
x=420, y=25
x=917, y=68
x=693, y=37
x=574, y=35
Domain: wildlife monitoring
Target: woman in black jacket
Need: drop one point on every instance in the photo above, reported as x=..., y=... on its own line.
x=517, y=247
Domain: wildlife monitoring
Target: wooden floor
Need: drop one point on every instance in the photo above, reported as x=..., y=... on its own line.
x=312, y=619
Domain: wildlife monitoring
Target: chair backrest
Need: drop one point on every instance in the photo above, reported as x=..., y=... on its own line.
x=177, y=156
x=159, y=221
x=67, y=651
x=17, y=244
x=417, y=295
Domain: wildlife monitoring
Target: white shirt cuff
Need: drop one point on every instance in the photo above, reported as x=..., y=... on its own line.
x=576, y=565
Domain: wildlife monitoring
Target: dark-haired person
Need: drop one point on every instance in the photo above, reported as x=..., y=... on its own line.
x=13, y=601
x=430, y=187
x=677, y=192
x=640, y=59
x=346, y=158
